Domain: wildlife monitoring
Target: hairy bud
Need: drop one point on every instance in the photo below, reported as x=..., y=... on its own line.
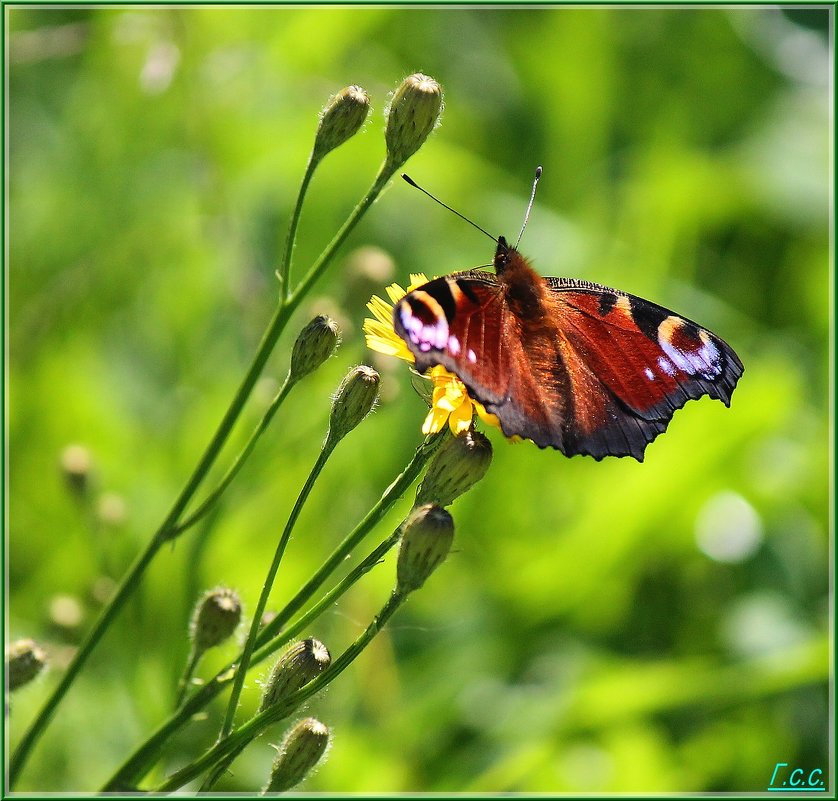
x=456, y=467
x=298, y=665
x=354, y=400
x=426, y=541
x=215, y=618
x=341, y=119
x=315, y=344
x=413, y=113
x=301, y=750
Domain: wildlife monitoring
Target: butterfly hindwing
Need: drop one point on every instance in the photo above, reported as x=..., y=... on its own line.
x=634, y=364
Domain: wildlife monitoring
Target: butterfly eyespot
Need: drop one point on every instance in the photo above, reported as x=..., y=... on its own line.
x=428, y=333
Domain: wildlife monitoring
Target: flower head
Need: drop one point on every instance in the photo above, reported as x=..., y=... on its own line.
x=355, y=399
x=456, y=467
x=450, y=401
x=298, y=665
x=316, y=343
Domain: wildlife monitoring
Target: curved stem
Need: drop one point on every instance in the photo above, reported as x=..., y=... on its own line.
x=284, y=272
x=420, y=458
x=250, y=643
x=132, y=770
x=183, y=685
x=385, y=173
x=169, y=528
x=128, y=584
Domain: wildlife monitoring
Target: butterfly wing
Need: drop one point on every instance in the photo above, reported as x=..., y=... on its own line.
x=632, y=364
x=569, y=364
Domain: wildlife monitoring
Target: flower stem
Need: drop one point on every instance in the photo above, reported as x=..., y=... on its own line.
x=284, y=271
x=194, y=657
x=385, y=173
x=256, y=725
x=420, y=458
x=250, y=643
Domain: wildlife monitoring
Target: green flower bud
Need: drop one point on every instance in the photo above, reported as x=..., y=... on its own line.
x=456, y=467
x=76, y=465
x=25, y=659
x=300, y=663
x=215, y=618
x=426, y=541
x=354, y=400
x=316, y=343
x=341, y=119
x=413, y=113
x=301, y=750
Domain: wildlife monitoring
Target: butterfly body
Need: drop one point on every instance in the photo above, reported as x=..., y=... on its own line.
x=567, y=363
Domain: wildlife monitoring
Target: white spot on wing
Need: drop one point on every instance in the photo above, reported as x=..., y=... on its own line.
x=649, y=374
x=453, y=345
x=471, y=355
x=666, y=365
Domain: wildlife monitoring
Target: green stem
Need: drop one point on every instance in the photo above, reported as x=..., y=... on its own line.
x=312, y=614
x=385, y=173
x=166, y=532
x=233, y=470
x=284, y=271
x=250, y=643
x=420, y=458
x=134, y=768
x=194, y=657
x=129, y=582
x=256, y=725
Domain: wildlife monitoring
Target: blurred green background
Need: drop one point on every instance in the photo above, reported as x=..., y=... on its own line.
x=605, y=627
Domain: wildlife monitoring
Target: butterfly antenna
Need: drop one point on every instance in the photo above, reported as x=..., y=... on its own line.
x=437, y=200
x=529, y=207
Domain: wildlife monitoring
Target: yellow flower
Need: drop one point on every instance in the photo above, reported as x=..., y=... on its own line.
x=450, y=401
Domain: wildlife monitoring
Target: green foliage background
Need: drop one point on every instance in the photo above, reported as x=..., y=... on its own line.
x=582, y=637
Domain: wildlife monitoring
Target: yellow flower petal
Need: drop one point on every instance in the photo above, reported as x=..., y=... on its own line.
x=395, y=293
x=460, y=419
x=435, y=421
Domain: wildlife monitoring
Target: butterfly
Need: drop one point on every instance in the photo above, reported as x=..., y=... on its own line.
x=566, y=363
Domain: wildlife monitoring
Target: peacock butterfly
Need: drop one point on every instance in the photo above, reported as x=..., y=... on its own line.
x=567, y=363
